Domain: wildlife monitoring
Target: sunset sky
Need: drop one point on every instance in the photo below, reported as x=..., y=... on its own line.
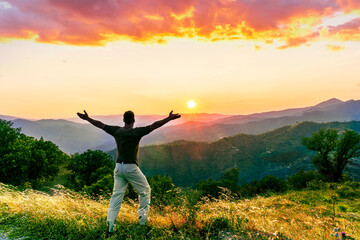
x=58, y=57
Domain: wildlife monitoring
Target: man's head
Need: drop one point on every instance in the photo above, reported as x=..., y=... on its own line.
x=129, y=117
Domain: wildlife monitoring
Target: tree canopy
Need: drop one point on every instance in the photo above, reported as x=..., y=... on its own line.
x=334, y=150
x=24, y=159
x=92, y=172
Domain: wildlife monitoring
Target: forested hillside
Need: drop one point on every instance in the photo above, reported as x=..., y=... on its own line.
x=277, y=152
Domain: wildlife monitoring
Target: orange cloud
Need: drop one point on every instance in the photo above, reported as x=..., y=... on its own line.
x=335, y=48
x=293, y=42
x=94, y=22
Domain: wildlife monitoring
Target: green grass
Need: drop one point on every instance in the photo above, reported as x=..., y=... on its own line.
x=62, y=176
x=63, y=214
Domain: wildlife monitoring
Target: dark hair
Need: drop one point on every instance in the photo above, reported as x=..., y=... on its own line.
x=129, y=117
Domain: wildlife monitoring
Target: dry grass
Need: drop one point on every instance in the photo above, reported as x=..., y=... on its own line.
x=61, y=204
x=274, y=215
x=290, y=214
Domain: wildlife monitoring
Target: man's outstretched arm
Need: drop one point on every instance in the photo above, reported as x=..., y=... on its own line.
x=160, y=123
x=94, y=122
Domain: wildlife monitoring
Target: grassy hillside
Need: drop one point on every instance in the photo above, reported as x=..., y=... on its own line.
x=307, y=214
x=278, y=152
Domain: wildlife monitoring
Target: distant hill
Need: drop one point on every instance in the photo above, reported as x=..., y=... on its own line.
x=7, y=118
x=79, y=136
x=278, y=152
x=70, y=137
x=143, y=120
x=240, y=119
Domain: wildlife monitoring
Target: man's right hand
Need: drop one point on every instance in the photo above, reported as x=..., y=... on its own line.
x=84, y=115
x=158, y=124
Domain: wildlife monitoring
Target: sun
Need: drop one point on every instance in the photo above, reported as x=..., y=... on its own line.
x=191, y=104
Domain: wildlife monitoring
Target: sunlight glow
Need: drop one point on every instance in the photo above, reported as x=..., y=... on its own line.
x=191, y=104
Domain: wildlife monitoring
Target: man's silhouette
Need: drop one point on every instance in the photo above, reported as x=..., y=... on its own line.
x=127, y=171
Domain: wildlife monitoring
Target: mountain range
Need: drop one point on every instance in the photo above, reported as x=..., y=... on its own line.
x=74, y=135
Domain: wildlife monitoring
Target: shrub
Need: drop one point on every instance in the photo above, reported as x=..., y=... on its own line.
x=348, y=190
x=213, y=189
x=301, y=179
x=215, y=225
x=209, y=188
x=103, y=187
x=316, y=184
x=271, y=183
x=163, y=191
x=267, y=184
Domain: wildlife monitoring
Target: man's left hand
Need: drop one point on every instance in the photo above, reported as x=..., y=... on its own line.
x=173, y=116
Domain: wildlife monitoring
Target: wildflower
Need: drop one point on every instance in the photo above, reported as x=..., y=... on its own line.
x=336, y=234
x=343, y=233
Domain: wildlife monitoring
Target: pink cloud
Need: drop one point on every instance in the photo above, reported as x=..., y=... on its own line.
x=349, y=5
x=349, y=31
x=350, y=28
x=93, y=22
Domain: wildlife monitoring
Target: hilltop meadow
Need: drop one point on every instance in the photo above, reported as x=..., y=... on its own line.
x=66, y=197
x=303, y=214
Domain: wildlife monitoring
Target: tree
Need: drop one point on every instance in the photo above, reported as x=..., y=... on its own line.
x=24, y=159
x=230, y=179
x=46, y=159
x=8, y=135
x=92, y=172
x=334, y=150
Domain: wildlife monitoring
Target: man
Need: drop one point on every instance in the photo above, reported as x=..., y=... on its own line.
x=127, y=171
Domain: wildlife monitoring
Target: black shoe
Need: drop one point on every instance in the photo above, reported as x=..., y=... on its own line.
x=109, y=234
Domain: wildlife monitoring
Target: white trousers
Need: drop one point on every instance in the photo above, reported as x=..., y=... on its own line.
x=123, y=175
